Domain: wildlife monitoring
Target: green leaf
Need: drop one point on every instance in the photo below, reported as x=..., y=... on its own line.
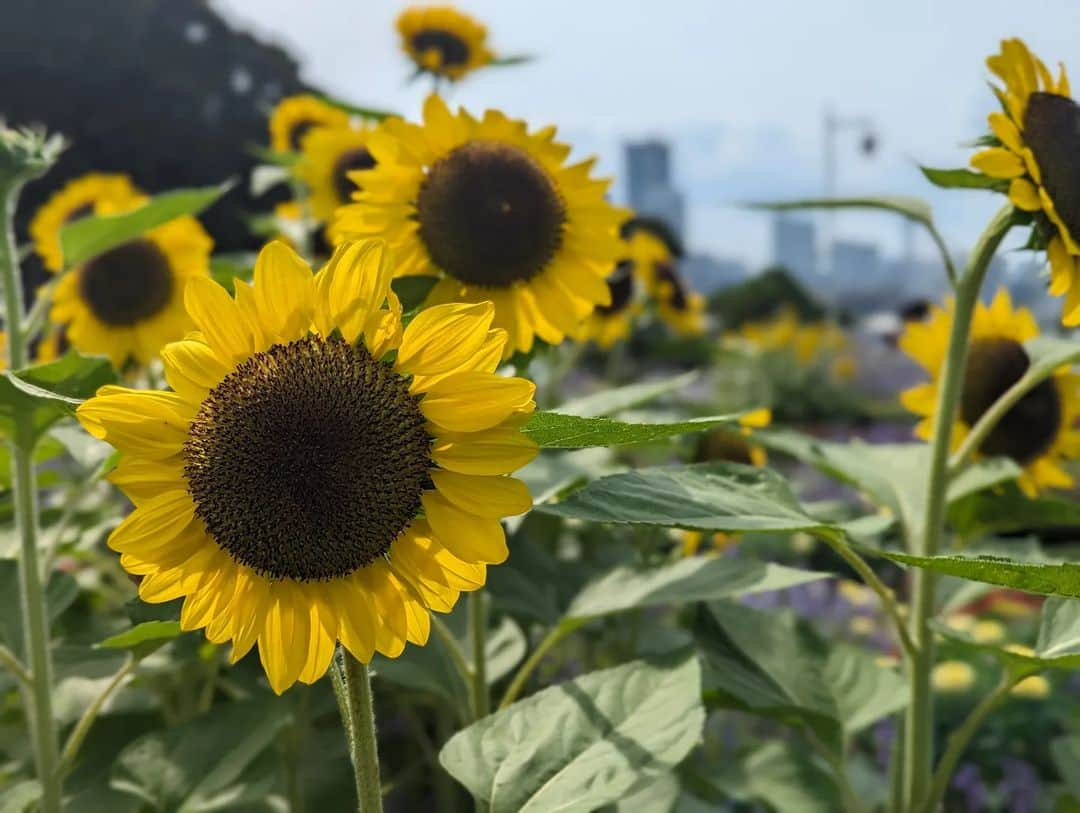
x=706, y=497
x=696, y=578
x=962, y=179
x=514, y=59
x=777, y=665
x=144, y=638
x=197, y=766
x=51, y=391
x=1048, y=579
x=1065, y=753
x=22, y=797
x=412, y=290
x=909, y=207
x=584, y=743
x=780, y=775
x=552, y=430
x=87, y=237
x=1008, y=510
x=505, y=647
x=608, y=402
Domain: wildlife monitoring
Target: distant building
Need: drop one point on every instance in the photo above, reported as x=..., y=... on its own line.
x=651, y=189
x=706, y=273
x=793, y=247
x=857, y=278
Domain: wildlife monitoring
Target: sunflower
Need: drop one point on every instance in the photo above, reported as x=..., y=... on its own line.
x=92, y=194
x=679, y=308
x=1036, y=138
x=128, y=302
x=610, y=324
x=690, y=544
x=317, y=473
x=735, y=447
x=493, y=210
x=295, y=116
x=650, y=242
x=442, y=41
x=1039, y=431
x=786, y=332
x=327, y=157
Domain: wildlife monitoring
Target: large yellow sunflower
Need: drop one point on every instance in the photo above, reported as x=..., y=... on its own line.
x=1038, y=138
x=92, y=194
x=1039, y=431
x=317, y=473
x=327, y=157
x=128, y=303
x=295, y=116
x=494, y=211
x=442, y=41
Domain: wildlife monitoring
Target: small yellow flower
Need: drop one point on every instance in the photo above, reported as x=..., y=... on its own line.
x=442, y=41
x=1033, y=687
x=961, y=622
x=317, y=473
x=1039, y=433
x=988, y=632
x=952, y=677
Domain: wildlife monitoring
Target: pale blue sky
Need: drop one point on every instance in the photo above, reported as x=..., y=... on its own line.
x=740, y=87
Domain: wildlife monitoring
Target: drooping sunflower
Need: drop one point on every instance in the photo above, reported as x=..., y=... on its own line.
x=442, y=41
x=128, y=302
x=295, y=116
x=1039, y=432
x=493, y=210
x=1038, y=137
x=92, y=194
x=317, y=473
x=328, y=155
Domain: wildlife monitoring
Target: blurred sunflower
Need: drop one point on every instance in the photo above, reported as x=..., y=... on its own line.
x=295, y=116
x=494, y=211
x=92, y=194
x=1039, y=431
x=442, y=41
x=679, y=308
x=318, y=474
x=327, y=157
x=1036, y=138
x=612, y=323
x=785, y=331
x=650, y=241
x=128, y=302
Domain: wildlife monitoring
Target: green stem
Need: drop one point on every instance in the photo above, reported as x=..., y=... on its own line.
x=11, y=662
x=919, y=726
x=454, y=648
x=358, y=716
x=294, y=748
x=946, y=257
x=481, y=698
x=32, y=594
x=82, y=728
x=958, y=741
x=524, y=672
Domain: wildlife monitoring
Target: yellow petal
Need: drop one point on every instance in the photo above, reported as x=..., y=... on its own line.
x=353, y=284
x=443, y=338
x=469, y=537
x=143, y=480
x=356, y=619
x=192, y=369
x=998, y=163
x=492, y=497
x=283, y=640
x=496, y=451
x=323, y=636
x=471, y=401
x=218, y=318
x=157, y=521
x=1024, y=195
x=284, y=292
x=145, y=423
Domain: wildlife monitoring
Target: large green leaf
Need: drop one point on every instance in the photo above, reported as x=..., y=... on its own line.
x=706, y=496
x=778, y=666
x=779, y=774
x=909, y=207
x=88, y=237
x=962, y=179
x=608, y=402
x=21, y=797
x=1065, y=751
x=1048, y=579
x=1007, y=510
x=51, y=391
x=144, y=638
x=199, y=766
x=552, y=430
x=584, y=743
x=697, y=578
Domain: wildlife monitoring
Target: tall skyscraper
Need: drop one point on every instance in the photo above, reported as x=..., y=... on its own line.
x=793, y=246
x=651, y=189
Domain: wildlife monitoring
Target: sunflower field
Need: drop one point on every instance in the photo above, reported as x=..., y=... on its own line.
x=452, y=493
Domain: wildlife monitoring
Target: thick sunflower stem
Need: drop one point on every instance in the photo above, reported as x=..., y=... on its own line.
x=38, y=696
x=919, y=719
x=353, y=687
x=478, y=635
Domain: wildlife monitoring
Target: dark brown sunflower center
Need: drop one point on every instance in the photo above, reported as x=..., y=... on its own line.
x=1052, y=131
x=297, y=132
x=665, y=272
x=127, y=284
x=452, y=49
x=350, y=161
x=1029, y=428
x=490, y=214
x=721, y=444
x=308, y=460
x=621, y=285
